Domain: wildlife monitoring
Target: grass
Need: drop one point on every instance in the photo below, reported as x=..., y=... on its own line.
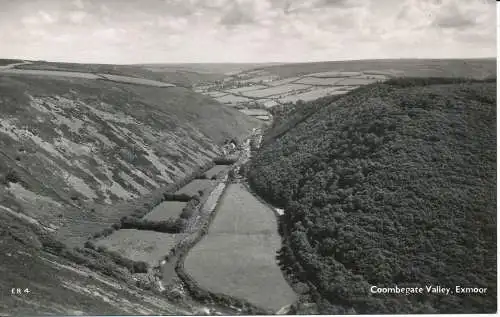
x=138, y=245
x=51, y=73
x=216, y=170
x=319, y=81
x=60, y=286
x=391, y=184
x=313, y=94
x=237, y=257
x=132, y=80
x=277, y=90
x=4, y=62
x=119, y=70
x=475, y=68
x=231, y=99
x=356, y=81
x=243, y=89
x=196, y=185
x=166, y=210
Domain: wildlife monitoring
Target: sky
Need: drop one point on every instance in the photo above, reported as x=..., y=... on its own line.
x=246, y=31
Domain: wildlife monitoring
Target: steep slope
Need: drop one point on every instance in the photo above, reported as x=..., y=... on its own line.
x=75, y=156
x=51, y=285
x=71, y=145
x=391, y=185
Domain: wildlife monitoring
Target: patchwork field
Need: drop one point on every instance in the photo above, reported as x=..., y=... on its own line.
x=319, y=81
x=197, y=185
x=314, y=94
x=255, y=112
x=216, y=170
x=232, y=99
x=237, y=257
x=139, y=245
x=275, y=90
x=166, y=210
x=248, y=88
x=289, y=83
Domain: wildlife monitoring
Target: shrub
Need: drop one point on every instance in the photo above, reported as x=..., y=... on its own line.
x=140, y=267
x=224, y=161
x=177, y=197
x=11, y=177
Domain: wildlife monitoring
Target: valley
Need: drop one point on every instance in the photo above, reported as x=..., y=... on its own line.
x=155, y=194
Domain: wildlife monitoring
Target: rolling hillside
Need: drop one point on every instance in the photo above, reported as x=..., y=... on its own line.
x=174, y=75
x=392, y=184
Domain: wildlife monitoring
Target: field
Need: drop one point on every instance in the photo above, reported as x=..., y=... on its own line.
x=197, y=185
x=139, y=245
x=319, y=81
x=237, y=257
x=334, y=74
x=176, y=76
x=138, y=81
x=275, y=90
x=59, y=286
x=216, y=170
x=292, y=82
x=217, y=94
x=280, y=82
x=4, y=62
x=313, y=94
x=255, y=112
x=232, y=99
x=166, y=210
x=356, y=81
x=52, y=73
x=243, y=89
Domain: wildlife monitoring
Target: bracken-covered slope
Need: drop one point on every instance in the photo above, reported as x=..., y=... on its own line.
x=75, y=156
x=72, y=145
x=393, y=184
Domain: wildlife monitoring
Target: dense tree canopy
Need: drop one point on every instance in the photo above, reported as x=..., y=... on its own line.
x=392, y=184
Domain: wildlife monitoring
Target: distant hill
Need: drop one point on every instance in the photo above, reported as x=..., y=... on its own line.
x=178, y=77
x=206, y=68
x=391, y=184
x=470, y=68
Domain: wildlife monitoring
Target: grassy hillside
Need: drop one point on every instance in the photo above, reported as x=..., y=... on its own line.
x=392, y=184
x=52, y=285
x=179, y=77
x=74, y=145
x=473, y=68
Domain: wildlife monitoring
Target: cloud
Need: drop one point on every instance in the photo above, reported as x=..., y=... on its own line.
x=79, y=4
x=126, y=31
x=238, y=14
x=452, y=18
x=338, y=3
x=77, y=16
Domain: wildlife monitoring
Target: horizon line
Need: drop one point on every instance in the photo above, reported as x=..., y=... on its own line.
x=250, y=63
